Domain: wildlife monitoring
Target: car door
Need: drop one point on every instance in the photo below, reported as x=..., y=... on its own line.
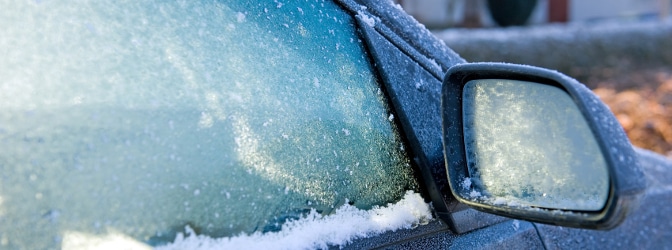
x=401, y=41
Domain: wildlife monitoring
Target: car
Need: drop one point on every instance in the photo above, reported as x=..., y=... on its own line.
x=299, y=124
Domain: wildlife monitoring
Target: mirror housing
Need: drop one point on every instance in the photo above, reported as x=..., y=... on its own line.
x=625, y=179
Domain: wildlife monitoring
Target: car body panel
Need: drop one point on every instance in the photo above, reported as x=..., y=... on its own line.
x=638, y=224
x=510, y=234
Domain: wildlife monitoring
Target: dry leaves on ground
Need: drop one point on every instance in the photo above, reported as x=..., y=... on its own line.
x=644, y=112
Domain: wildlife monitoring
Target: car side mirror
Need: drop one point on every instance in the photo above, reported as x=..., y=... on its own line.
x=533, y=144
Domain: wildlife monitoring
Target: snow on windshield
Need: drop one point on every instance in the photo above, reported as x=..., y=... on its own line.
x=317, y=231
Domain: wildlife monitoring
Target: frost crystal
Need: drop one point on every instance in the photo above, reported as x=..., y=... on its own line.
x=240, y=17
x=367, y=19
x=466, y=183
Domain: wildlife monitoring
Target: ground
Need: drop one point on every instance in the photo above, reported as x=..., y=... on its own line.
x=642, y=103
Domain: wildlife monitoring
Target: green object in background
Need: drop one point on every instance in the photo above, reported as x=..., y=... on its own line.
x=511, y=12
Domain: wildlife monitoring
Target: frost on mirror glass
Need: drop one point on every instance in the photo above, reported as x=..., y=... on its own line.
x=140, y=118
x=527, y=144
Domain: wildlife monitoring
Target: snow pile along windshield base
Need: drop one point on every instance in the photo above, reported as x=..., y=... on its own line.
x=317, y=231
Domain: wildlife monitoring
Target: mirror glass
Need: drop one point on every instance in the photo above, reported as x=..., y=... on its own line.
x=528, y=145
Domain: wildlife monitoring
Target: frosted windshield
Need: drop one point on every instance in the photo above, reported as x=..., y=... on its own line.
x=142, y=118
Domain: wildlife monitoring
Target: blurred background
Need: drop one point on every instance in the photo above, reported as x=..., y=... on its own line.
x=621, y=49
x=437, y=14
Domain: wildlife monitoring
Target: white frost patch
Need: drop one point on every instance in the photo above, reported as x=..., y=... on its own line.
x=418, y=85
x=317, y=231
x=505, y=201
x=367, y=19
x=434, y=64
x=516, y=225
x=80, y=240
x=206, y=120
x=390, y=118
x=240, y=17
x=466, y=183
x=499, y=201
x=316, y=82
x=475, y=194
